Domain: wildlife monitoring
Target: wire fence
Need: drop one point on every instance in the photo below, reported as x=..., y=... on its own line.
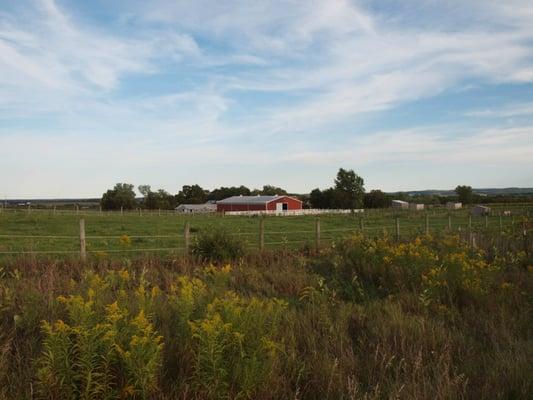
x=472, y=229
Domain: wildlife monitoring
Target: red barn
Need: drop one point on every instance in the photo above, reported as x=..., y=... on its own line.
x=259, y=203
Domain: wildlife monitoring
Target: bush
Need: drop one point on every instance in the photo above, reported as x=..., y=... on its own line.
x=217, y=246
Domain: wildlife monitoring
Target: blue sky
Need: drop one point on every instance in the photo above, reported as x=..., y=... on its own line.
x=409, y=94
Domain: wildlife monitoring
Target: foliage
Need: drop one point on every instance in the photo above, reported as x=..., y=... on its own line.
x=121, y=196
x=366, y=317
x=465, y=194
x=269, y=190
x=377, y=199
x=217, y=245
x=225, y=192
x=102, y=351
x=192, y=194
x=161, y=199
x=348, y=192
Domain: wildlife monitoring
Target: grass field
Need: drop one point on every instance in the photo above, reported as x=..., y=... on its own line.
x=46, y=231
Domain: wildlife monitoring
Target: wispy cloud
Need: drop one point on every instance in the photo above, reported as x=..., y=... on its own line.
x=216, y=83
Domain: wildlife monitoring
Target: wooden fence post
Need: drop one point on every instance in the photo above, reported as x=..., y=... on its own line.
x=398, y=228
x=187, y=237
x=450, y=222
x=77, y=209
x=361, y=224
x=261, y=233
x=317, y=234
x=121, y=210
x=427, y=224
x=101, y=212
x=83, y=248
x=29, y=209
x=486, y=221
x=54, y=210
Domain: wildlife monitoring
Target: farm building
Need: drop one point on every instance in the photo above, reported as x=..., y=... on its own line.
x=480, y=210
x=400, y=204
x=259, y=203
x=416, y=206
x=196, y=208
x=452, y=205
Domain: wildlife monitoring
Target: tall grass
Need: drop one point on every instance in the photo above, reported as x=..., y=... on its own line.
x=363, y=319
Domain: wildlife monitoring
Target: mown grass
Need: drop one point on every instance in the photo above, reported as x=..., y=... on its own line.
x=366, y=318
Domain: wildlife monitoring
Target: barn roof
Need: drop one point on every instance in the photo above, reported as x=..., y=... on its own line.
x=196, y=206
x=250, y=199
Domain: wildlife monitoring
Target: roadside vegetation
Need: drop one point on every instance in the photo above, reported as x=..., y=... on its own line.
x=365, y=318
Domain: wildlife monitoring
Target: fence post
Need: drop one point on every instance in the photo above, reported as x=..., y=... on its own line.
x=83, y=248
x=262, y=233
x=450, y=222
x=398, y=228
x=77, y=209
x=121, y=210
x=159, y=212
x=427, y=224
x=486, y=221
x=54, y=210
x=101, y=211
x=317, y=234
x=361, y=224
x=187, y=237
x=29, y=209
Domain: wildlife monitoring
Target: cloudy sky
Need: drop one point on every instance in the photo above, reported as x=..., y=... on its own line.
x=409, y=94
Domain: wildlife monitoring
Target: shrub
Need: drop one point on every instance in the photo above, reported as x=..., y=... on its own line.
x=217, y=246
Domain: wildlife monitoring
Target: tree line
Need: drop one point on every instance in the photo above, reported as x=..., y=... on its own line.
x=347, y=192
x=123, y=196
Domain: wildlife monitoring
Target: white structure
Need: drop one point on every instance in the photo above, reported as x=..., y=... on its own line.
x=400, y=204
x=416, y=206
x=451, y=205
x=303, y=211
x=196, y=208
x=480, y=210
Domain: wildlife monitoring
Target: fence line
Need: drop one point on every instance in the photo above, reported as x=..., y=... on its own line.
x=393, y=229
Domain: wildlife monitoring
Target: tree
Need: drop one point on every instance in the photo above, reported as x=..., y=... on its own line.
x=377, y=199
x=465, y=194
x=192, y=194
x=269, y=190
x=349, y=190
x=145, y=190
x=121, y=196
x=225, y=192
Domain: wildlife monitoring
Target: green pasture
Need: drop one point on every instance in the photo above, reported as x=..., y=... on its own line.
x=42, y=231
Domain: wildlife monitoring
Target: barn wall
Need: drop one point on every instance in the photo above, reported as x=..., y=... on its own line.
x=240, y=207
x=293, y=204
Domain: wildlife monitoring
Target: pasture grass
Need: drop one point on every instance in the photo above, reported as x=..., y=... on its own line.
x=111, y=232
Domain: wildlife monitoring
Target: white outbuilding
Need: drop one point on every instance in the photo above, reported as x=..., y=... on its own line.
x=400, y=204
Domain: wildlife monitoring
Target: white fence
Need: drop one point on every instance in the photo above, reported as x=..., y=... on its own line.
x=304, y=211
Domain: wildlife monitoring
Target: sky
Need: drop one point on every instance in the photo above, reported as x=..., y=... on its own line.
x=409, y=94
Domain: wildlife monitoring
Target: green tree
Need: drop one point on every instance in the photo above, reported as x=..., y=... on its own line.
x=192, y=194
x=269, y=190
x=225, y=192
x=349, y=190
x=377, y=199
x=121, y=196
x=465, y=194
